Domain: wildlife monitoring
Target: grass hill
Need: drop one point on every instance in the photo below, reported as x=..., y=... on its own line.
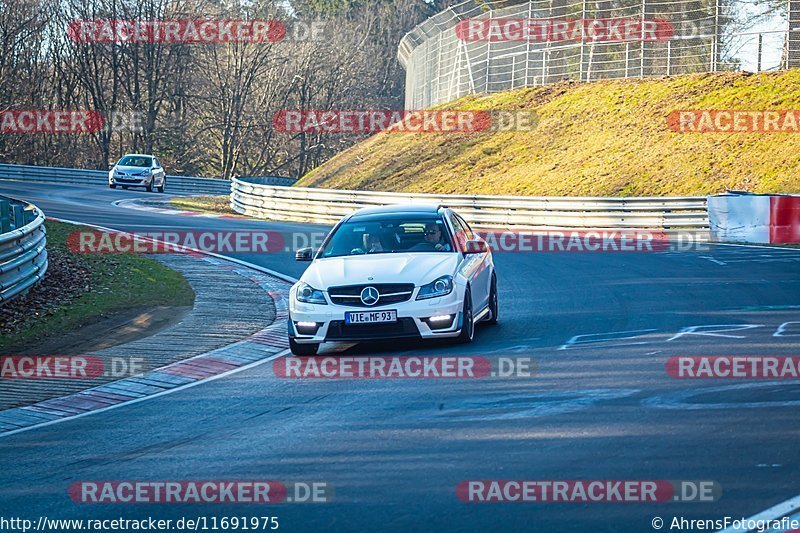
x=606, y=138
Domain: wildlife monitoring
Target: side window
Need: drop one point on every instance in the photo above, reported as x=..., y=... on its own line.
x=467, y=230
x=461, y=234
x=156, y=163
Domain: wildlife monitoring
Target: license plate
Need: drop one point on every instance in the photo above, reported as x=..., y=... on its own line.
x=370, y=317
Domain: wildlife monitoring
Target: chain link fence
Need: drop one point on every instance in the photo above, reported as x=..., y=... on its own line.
x=473, y=47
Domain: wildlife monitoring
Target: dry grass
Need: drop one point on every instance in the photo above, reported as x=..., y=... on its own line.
x=599, y=139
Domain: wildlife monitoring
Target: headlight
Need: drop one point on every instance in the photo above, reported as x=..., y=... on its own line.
x=441, y=287
x=309, y=295
x=143, y=173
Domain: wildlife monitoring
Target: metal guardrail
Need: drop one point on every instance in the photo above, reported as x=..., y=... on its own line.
x=175, y=184
x=23, y=256
x=327, y=206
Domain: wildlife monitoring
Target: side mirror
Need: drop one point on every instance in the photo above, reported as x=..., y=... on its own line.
x=476, y=246
x=304, y=255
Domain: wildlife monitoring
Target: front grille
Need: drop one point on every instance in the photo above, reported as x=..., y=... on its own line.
x=391, y=293
x=403, y=328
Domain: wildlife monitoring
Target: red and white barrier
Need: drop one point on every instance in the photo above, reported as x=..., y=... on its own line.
x=750, y=218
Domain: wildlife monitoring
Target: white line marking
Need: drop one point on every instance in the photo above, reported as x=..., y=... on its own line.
x=574, y=340
x=773, y=513
x=764, y=247
x=713, y=260
x=157, y=395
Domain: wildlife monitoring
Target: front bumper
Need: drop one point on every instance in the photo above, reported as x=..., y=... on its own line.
x=413, y=321
x=129, y=181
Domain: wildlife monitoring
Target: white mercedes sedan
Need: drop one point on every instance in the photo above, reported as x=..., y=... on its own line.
x=394, y=272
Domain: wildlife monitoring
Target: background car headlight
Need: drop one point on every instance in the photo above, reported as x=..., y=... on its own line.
x=441, y=287
x=309, y=295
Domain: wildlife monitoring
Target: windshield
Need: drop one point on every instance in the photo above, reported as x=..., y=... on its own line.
x=389, y=235
x=136, y=161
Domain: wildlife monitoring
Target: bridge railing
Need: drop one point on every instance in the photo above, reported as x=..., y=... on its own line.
x=23, y=256
x=326, y=206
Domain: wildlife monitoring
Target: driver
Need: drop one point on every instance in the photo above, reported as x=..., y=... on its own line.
x=372, y=244
x=433, y=235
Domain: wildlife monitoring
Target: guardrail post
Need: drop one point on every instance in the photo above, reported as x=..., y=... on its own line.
x=17, y=216
x=5, y=216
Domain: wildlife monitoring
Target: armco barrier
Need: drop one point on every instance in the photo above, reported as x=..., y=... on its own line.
x=175, y=184
x=754, y=218
x=254, y=198
x=23, y=256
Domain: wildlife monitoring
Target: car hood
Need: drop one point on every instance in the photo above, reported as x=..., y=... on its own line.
x=131, y=170
x=416, y=268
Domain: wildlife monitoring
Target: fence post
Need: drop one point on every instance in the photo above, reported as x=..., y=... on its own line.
x=669, y=57
x=583, y=41
x=528, y=48
x=627, y=58
x=513, y=71
x=793, y=39
x=715, y=42
x=642, y=48
x=760, y=50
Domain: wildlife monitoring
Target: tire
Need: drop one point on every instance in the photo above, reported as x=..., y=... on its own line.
x=149, y=186
x=303, y=349
x=494, y=305
x=112, y=186
x=468, y=325
x=125, y=187
x=163, y=185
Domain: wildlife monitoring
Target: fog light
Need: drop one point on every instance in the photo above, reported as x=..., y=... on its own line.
x=440, y=322
x=307, y=328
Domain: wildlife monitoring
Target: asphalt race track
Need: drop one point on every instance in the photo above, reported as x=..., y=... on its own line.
x=600, y=327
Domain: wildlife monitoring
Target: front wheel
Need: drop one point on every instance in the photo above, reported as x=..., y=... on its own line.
x=163, y=185
x=149, y=186
x=303, y=349
x=112, y=186
x=468, y=321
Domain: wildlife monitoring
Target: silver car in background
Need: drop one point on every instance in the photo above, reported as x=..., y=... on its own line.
x=138, y=170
